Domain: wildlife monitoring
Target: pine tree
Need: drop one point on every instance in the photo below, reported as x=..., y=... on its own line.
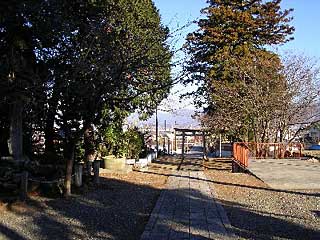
x=230, y=43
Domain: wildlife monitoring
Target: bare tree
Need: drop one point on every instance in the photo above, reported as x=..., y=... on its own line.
x=301, y=101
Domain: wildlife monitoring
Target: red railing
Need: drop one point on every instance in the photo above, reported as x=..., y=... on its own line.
x=241, y=154
x=242, y=151
x=274, y=150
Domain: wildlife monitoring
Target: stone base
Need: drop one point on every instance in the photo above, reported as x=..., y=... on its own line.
x=113, y=163
x=125, y=170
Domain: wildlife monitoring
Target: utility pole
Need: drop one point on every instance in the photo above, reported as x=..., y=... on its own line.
x=157, y=143
x=164, y=136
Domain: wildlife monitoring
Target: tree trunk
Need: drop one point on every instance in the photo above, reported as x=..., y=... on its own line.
x=49, y=133
x=89, y=146
x=16, y=137
x=49, y=129
x=69, y=155
x=280, y=135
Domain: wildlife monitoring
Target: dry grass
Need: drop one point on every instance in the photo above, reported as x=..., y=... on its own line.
x=259, y=212
x=118, y=208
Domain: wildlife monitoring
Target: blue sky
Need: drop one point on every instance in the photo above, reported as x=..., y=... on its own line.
x=306, y=20
x=176, y=13
x=307, y=24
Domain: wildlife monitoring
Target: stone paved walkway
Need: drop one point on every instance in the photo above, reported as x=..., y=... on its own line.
x=186, y=209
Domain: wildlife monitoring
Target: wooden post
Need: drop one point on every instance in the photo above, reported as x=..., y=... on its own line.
x=96, y=166
x=182, y=149
x=168, y=145
x=204, y=145
x=24, y=186
x=175, y=141
x=78, y=174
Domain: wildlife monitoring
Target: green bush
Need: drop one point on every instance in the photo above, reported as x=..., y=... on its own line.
x=112, y=139
x=119, y=143
x=133, y=143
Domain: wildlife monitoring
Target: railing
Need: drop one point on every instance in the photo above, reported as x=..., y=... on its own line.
x=241, y=154
x=274, y=150
x=242, y=151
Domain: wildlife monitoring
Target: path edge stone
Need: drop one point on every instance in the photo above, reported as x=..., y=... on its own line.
x=223, y=215
x=153, y=216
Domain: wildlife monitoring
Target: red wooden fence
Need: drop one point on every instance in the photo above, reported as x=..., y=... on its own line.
x=241, y=154
x=243, y=150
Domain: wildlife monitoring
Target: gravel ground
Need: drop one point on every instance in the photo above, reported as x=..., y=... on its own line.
x=117, y=209
x=259, y=212
x=120, y=207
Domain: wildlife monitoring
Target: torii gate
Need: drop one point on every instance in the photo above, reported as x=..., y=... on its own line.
x=189, y=132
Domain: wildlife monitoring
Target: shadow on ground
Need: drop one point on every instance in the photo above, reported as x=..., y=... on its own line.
x=249, y=224
x=317, y=194
x=120, y=210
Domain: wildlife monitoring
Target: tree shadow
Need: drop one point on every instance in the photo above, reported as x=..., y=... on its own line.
x=120, y=210
x=219, y=164
x=250, y=224
x=8, y=233
x=246, y=224
x=238, y=185
x=113, y=210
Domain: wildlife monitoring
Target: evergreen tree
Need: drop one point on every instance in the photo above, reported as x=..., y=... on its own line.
x=70, y=64
x=228, y=47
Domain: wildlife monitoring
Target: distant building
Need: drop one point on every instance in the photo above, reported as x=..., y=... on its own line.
x=312, y=136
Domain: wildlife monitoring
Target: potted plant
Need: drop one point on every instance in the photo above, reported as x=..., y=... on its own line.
x=133, y=143
x=113, y=153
